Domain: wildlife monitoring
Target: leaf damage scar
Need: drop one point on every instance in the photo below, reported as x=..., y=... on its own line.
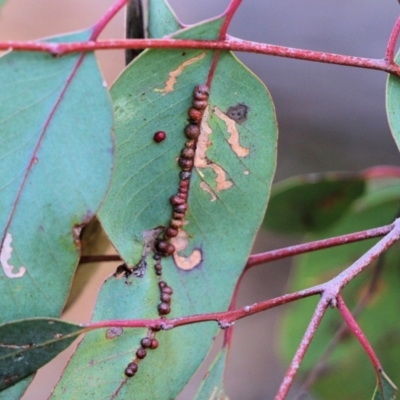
x=5, y=255
x=201, y=161
x=171, y=81
x=233, y=134
x=180, y=242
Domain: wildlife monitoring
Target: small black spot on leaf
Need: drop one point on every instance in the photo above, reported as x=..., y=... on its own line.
x=238, y=113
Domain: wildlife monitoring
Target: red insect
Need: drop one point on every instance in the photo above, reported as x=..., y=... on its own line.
x=159, y=136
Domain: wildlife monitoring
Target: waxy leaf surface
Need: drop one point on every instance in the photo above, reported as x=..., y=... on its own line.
x=228, y=195
x=388, y=389
x=212, y=386
x=56, y=160
x=56, y=155
x=393, y=104
x=349, y=373
x=27, y=345
x=310, y=203
x=162, y=20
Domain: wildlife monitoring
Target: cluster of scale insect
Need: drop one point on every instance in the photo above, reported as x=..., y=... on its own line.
x=163, y=246
x=186, y=162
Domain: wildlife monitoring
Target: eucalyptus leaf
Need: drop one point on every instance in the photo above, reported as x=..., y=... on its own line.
x=212, y=386
x=162, y=19
x=388, y=391
x=56, y=155
x=310, y=203
x=27, y=345
x=225, y=210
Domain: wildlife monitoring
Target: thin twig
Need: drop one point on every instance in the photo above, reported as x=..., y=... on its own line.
x=304, y=344
x=359, y=334
x=59, y=49
x=320, y=366
x=390, y=49
x=106, y=18
x=260, y=258
x=256, y=259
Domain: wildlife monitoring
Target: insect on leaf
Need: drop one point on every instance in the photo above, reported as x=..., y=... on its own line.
x=229, y=188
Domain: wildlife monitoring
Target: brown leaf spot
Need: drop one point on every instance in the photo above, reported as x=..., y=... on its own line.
x=181, y=242
x=233, y=132
x=238, y=113
x=171, y=81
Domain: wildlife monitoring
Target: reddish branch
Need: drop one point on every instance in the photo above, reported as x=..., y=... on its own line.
x=359, y=334
x=389, y=57
x=330, y=292
x=59, y=49
x=257, y=259
x=304, y=344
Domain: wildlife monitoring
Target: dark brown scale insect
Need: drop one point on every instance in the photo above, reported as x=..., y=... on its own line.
x=165, y=298
x=169, y=250
x=164, y=309
x=190, y=144
x=185, y=175
x=192, y=131
x=201, y=92
x=154, y=344
x=176, y=223
x=131, y=369
x=184, y=184
x=195, y=115
x=156, y=256
x=185, y=164
x=181, y=208
x=162, y=284
x=158, y=268
x=172, y=232
x=161, y=246
x=159, y=136
x=187, y=153
x=176, y=200
x=141, y=353
x=182, y=193
x=146, y=342
x=167, y=290
x=200, y=104
x=178, y=215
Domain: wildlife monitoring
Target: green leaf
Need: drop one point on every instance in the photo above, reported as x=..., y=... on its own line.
x=349, y=370
x=56, y=155
x=162, y=19
x=212, y=386
x=387, y=391
x=393, y=104
x=16, y=391
x=27, y=345
x=311, y=203
x=221, y=229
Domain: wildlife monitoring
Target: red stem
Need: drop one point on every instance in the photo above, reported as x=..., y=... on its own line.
x=381, y=171
x=389, y=56
x=106, y=18
x=260, y=258
x=60, y=49
x=268, y=256
x=301, y=350
x=225, y=318
x=359, y=334
x=228, y=14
